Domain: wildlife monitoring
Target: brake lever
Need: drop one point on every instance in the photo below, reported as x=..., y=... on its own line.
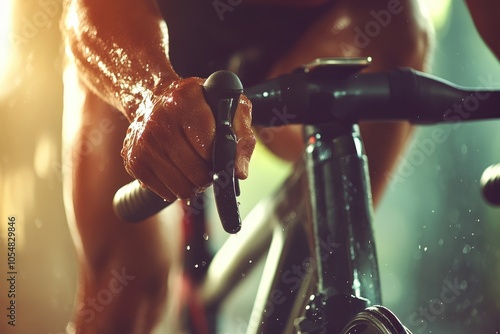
x=222, y=91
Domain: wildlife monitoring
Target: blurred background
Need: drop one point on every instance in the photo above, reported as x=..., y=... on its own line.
x=432, y=229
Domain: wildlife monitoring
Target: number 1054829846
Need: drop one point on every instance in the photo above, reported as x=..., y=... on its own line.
x=11, y=243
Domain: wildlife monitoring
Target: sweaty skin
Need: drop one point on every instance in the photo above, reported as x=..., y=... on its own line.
x=118, y=72
x=187, y=172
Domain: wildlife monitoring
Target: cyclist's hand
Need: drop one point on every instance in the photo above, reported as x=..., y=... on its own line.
x=168, y=146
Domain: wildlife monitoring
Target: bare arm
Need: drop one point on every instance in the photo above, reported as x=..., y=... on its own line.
x=121, y=52
x=120, y=48
x=118, y=62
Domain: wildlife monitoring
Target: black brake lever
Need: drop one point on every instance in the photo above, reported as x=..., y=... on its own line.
x=222, y=92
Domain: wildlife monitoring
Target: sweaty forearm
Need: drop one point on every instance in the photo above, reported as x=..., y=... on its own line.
x=120, y=48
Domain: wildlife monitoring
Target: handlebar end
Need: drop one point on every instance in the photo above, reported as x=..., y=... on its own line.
x=490, y=184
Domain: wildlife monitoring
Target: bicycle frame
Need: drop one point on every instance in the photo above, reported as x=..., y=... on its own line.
x=318, y=226
x=317, y=235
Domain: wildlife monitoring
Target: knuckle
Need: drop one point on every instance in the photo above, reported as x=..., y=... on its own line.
x=134, y=166
x=248, y=142
x=185, y=193
x=168, y=196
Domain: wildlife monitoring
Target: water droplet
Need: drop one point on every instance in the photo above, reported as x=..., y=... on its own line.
x=467, y=249
x=425, y=249
x=205, y=236
x=242, y=274
x=203, y=263
x=250, y=261
x=188, y=247
x=440, y=242
x=196, y=266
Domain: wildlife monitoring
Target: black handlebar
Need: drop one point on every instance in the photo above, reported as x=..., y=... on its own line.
x=133, y=203
x=402, y=94
x=315, y=97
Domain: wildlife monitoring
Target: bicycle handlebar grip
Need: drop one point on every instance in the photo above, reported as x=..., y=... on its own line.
x=133, y=203
x=490, y=184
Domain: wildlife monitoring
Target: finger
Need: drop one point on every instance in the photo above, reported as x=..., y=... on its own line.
x=189, y=164
x=149, y=180
x=172, y=177
x=160, y=174
x=246, y=139
x=197, y=119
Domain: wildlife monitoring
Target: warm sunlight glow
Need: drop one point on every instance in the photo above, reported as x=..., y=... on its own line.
x=439, y=11
x=5, y=36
